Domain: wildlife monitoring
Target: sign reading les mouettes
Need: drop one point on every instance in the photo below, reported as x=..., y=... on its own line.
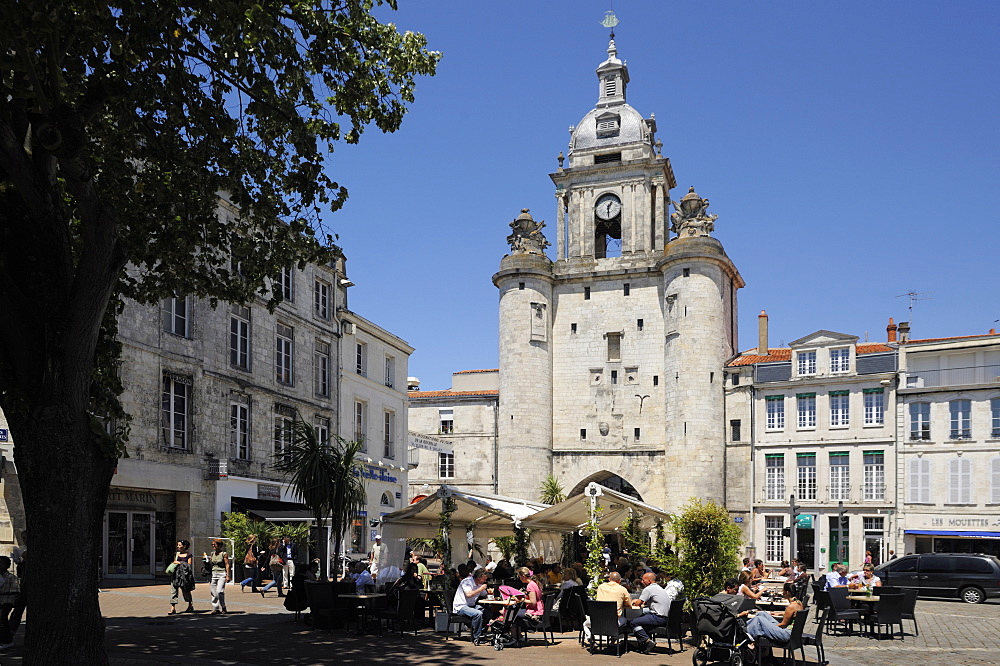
x=925, y=521
x=429, y=443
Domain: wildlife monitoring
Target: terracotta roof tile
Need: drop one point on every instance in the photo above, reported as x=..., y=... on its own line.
x=450, y=394
x=469, y=372
x=954, y=337
x=750, y=356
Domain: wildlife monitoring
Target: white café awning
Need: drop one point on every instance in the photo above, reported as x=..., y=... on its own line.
x=573, y=513
x=488, y=515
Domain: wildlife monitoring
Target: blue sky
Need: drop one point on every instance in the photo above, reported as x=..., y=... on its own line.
x=848, y=149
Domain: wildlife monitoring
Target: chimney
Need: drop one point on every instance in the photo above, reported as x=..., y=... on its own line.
x=890, y=331
x=762, y=333
x=904, y=331
x=993, y=331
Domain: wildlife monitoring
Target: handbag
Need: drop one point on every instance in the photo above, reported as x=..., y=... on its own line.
x=250, y=559
x=276, y=560
x=171, y=568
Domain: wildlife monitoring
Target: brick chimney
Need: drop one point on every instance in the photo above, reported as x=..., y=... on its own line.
x=890, y=331
x=904, y=331
x=762, y=333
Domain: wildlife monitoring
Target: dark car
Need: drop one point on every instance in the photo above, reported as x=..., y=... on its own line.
x=973, y=578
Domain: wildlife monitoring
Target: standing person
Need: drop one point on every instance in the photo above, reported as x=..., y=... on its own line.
x=9, y=591
x=221, y=574
x=868, y=557
x=253, y=563
x=277, y=565
x=182, y=578
x=289, y=553
x=21, y=601
x=655, y=604
x=378, y=557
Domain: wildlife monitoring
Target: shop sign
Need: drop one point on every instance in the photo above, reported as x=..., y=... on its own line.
x=804, y=521
x=130, y=499
x=268, y=491
x=738, y=519
x=4, y=435
x=375, y=473
x=927, y=521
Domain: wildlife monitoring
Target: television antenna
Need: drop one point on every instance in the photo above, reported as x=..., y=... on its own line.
x=914, y=296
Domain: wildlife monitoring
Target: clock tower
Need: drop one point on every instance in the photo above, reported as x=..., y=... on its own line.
x=611, y=355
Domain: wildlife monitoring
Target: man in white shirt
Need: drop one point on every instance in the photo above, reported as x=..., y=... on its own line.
x=490, y=565
x=379, y=556
x=837, y=577
x=466, y=598
x=362, y=577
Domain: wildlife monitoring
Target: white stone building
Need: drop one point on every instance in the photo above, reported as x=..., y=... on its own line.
x=815, y=421
x=611, y=357
x=948, y=425
x=464, y=416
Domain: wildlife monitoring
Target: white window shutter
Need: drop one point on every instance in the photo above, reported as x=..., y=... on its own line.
x=953, y=481
x=965, y=477
x=915, y=480
x=995, y=481
x=925, y=484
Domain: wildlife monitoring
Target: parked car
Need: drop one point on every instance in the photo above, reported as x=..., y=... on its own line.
x=971, y=577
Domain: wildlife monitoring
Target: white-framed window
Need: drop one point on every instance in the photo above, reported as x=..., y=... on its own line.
x=321, y=368
x=995, y=481
x=959, y=481
x=774, y=540
x=239, y=426
x=321, y=299
x=961, y=419
x=840, y=408
x=806, y=404
x=176, y=317
x=446, y=421
x=874, y=406
x=614, y=346
x=239, y=337
x=390, y=371
x=361, y=358
x=920, y=420
x=446, y=465
x=805, y=464
x=176, y=412
x=284, y=348
x=807, y=362
x=386, y=500
x=775, y=408
x=284, y=416
x=995, y=418
x=361, y=423
x=774, y=476
x=840, y=360
x=322, y=425
x=920, y=481
x=873, y=524
x=874, y=475
x=840, y=476
x=389, y=434
x=287, y=280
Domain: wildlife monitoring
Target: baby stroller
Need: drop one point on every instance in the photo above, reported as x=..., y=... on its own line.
x=721, y=634
x=502, y=627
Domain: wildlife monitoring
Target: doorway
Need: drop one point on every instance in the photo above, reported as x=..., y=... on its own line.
x=129, y=538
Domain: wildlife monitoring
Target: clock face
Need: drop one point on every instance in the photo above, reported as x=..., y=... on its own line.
x=608, y=207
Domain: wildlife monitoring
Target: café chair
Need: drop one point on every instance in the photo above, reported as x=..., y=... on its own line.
x=888, y=612
x=604, y=629
x=840, y=611
x=910, y=607
x=672, y=629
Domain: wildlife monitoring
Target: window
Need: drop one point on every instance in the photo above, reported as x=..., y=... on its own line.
x=774, y=540
x=807, y=362
x=638, y=324
x=686, y=272
x=806, y=466
x=873, y=524
x=283, y=354
x=520, y=286
x=920, y=481
x=176, y=410
x=874, y=475
x=840, y=476
x=321, y=368
x=321, y=299
x=614, y=376
x=637, y=433
x=874, y=406
x=389, y=434
x=446, y=419
x=625, y=289
x=614, y=346
x=175, y=316
x=583, y=433
x=284, y=417
x=322, y=429
x=807, y=410
x=239, y=337
x=390, y=371
x=386, y=500
x=735, y=426
x=656, y=380
x=361, y=423
x=446, y=465
x=961, y=411
x=586, y=293
x=995, y=414
x=287, y=280
x=959, y=481
x=840, y=360
x=775, y=408
x=920, y=420
x=607, y=158
x=361, y=359
x=840, y=402
x=736, y=379
x=609, y=86
x=572, y=329
x=774, y=476
x=239, y=426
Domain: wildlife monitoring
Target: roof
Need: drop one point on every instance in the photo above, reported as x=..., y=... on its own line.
x=954, y=337
x=489, y=515
x=630, y=129
x=751, y=356
x=451, y=394
x=469, y=372
x=574, y=512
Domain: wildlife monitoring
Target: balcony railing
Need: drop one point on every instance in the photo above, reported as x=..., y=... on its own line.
x=978, y=374
x=920, y=435
x=965, y=433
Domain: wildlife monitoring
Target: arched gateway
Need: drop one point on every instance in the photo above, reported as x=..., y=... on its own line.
x=608, y=480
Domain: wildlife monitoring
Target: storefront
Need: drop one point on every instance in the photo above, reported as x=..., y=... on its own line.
x=939, y=533
x=139, y=537
x=386, y=485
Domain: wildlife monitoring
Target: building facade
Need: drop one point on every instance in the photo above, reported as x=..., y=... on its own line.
x=611, y=356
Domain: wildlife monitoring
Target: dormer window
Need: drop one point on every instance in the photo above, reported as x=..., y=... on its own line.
x=807, y=363
x=840, y=360
x=608, y=125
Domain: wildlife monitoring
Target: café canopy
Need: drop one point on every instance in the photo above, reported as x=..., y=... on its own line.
x=574, y=512
x=487, y=515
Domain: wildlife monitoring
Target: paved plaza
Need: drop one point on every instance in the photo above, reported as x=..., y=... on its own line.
x=260, y=631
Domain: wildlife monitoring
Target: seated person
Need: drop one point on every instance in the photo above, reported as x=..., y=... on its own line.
x=750, y=591
x=837, y=577
x=655, y=603
x=362, y=577
x=766, y=625
x=533, y=602
x=466, y=601
x=569, y=578
x=866, y=577
x=612, y=590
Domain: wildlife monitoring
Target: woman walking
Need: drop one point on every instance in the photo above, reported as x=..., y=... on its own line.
x=277, y=565
x=182, y=578
x=220, y=567
x=252, y=564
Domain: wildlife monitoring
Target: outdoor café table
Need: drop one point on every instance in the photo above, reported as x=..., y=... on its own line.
x=772, y=604
x=868, y=602
x=365, y=598
x=495, y=605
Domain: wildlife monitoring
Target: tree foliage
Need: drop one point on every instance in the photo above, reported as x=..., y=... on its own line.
x=551, y=491
x=708, y=544
x=636, y=539
x=239, y=526
x=594, y=566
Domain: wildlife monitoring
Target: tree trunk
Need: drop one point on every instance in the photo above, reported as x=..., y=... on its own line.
x=64, y=482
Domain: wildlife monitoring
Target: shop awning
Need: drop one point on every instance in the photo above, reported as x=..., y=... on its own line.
x=488, y=515
x=273, y=510
x=956, y=533
x=573, y=513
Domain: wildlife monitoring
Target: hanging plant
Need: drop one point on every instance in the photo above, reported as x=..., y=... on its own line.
x=448, y=507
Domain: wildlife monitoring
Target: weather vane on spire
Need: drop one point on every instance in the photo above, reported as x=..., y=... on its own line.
x=610, y=21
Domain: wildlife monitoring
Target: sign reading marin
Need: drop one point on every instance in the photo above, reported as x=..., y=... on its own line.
x=375, y=473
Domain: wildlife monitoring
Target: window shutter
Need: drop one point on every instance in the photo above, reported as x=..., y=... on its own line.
x=995, y=481
x=916, y=480
x=953, y=481
x=965, y=480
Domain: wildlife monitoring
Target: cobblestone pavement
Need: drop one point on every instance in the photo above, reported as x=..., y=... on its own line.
x=260, y=631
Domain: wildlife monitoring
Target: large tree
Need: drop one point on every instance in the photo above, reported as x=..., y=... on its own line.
x=121, y=126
